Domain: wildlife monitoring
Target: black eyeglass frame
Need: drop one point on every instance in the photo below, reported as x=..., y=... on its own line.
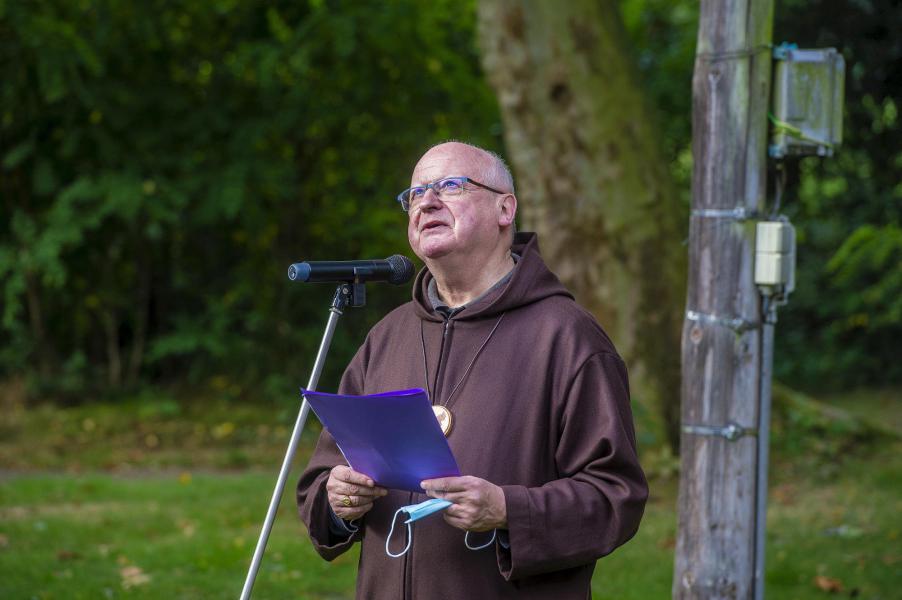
x=404, y=197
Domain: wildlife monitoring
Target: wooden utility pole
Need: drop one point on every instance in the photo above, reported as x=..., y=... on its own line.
x=722, y=333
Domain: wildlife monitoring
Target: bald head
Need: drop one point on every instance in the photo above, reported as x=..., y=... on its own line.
x=490, y=168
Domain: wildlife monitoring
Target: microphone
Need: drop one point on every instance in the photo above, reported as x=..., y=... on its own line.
x=395, y=269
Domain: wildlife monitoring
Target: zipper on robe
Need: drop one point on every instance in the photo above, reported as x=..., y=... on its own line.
x=407, y=579
x=439, y=366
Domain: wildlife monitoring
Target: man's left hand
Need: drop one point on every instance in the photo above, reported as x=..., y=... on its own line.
x=478, y=504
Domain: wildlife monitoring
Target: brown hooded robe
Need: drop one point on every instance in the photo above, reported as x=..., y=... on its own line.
x=544, y=413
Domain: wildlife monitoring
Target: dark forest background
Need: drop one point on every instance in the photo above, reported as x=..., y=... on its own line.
x=162, y=163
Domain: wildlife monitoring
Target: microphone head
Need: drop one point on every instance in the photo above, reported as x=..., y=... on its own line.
x=299, y=271
x=401, y=269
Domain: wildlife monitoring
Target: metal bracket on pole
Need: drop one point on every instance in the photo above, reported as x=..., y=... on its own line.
x=737, y=324
x=739, y=213
x=730, y=432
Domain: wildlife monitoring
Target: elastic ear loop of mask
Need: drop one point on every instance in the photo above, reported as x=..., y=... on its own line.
x=392, y=530
x=410, y=538
x=484, y=546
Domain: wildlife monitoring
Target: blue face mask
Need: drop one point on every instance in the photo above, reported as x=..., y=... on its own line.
x=416, y=512
x=423, y=509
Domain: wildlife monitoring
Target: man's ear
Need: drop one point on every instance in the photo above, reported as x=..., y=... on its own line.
x=507, y=210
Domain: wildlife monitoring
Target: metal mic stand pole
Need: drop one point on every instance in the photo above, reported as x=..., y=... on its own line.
x=347, y=294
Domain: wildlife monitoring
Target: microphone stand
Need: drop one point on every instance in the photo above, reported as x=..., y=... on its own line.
x=347, y=294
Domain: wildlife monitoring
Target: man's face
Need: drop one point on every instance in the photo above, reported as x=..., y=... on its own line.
x=466, y=224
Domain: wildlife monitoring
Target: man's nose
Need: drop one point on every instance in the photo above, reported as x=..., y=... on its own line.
x=429, y=201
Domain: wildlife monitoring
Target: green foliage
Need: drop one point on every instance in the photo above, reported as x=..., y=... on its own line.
x=163, y=163
x=663, y=34
x=870, y=261
x=842, y=325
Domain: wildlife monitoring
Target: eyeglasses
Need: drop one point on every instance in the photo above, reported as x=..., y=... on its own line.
x=449, y=186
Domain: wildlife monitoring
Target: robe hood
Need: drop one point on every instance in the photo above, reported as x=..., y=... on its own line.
x=531, y=281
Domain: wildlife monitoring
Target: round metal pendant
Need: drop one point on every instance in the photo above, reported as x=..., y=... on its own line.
x=445, y=420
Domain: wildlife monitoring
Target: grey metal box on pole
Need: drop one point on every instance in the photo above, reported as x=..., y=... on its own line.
x=807, y=101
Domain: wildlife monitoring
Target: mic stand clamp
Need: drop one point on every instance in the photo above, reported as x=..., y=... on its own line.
x=348, y=293
x=353, y=291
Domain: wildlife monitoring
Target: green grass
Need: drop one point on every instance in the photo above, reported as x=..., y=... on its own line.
x=882, y=407
x=95, y=536
x=193, y=536
x=841, y=525
x=178, y=518
x=146, y=433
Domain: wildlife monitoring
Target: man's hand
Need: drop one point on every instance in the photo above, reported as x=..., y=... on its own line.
x=478, y=504
x=351, y=494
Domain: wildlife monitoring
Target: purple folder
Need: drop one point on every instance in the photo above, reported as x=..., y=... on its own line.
x=393, y=437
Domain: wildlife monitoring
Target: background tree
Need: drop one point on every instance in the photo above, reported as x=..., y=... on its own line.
x=162, y=164
x=592, y=176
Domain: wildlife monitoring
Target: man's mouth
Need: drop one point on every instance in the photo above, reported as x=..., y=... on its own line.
x=432, y=225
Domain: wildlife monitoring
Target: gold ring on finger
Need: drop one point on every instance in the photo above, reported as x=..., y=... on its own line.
x=346, y=501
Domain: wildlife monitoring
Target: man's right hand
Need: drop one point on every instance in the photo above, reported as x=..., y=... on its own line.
x=351, y=494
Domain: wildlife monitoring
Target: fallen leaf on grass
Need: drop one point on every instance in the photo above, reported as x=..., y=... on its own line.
x=133, y=576
x=67, y=555
x=785, y=494
x=845, y=532
x=828, y=584
x=666, y=543
x=223, y=430
x=188, y=528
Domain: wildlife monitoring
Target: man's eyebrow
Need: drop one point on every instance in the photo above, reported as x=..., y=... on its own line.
x=422, y=183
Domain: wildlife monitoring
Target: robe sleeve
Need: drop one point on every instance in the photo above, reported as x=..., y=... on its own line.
x=312, y=497
x=597, y=502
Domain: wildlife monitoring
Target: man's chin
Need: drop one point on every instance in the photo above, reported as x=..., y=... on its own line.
x=433, y=252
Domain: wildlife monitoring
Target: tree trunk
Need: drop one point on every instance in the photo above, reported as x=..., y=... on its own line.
x=45, y=354
x=110, y=322
x=591, y=177
x=142, y=314
x=722, y=345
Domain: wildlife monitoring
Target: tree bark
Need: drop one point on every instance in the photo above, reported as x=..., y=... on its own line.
x=591, y=176
x=142, y=314
x=45, y=354
x=110, y=323
x=722, y=359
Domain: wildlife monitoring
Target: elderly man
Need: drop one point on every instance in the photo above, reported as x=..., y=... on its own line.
x=533, y=398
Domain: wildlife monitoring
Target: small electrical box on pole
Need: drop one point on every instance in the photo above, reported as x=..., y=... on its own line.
x=775, y=257
x=808, y=101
